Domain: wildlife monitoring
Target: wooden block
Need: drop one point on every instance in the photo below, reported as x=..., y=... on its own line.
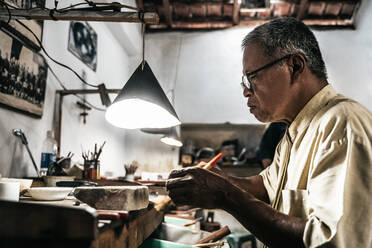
x=126, y=198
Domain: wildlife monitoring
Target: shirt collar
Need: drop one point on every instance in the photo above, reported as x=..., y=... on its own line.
x=303, y=118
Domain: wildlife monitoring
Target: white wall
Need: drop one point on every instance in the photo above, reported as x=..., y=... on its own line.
x=118, y=56
x=209, y=68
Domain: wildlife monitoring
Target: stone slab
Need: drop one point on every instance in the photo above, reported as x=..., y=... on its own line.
x=126, y=198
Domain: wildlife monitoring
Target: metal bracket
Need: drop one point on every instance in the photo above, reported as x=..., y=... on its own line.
x=57, y=123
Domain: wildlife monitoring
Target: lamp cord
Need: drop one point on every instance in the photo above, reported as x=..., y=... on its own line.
x=51, y=58
x=143, y=44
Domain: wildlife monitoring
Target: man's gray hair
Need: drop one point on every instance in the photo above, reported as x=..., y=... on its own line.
x=288, y=35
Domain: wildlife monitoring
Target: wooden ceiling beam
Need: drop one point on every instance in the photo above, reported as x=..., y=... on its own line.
x=236, y=8
x=102, y=16
x=333, y=9
x=214, y=9
x=329, y=22
x=227, y=10
x=347, y=9
x=250, y=23
x=316, y=8
x=302, y=10
x=281, y=9
x=309, y=22
x=167, y=12
x=198, y=10
x=181, y=10
x=140, y=4
x=194, y=25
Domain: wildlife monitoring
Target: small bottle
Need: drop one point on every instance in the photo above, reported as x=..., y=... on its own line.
x=48, y=153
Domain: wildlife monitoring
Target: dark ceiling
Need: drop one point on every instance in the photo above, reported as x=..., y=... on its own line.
x=219, y=14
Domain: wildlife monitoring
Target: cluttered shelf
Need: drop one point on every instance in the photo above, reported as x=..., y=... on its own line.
x=237, y=142
x=246, y=148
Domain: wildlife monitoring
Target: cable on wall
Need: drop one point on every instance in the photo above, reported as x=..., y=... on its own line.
x=49, y=67
x=70, y=8
x=76, y=95
x=55, y=61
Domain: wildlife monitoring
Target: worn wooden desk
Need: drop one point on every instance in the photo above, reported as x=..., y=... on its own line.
x=61, y=224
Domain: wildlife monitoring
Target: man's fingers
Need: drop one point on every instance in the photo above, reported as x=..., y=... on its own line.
x=182, y=172
x=179, y=192
x=217, y=171
x=177, y=173
x=181, y=200
x=178, y=182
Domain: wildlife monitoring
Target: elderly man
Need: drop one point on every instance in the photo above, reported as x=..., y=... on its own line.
x=317, y=192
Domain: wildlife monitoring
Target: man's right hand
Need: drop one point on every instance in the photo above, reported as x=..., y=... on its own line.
x=197, y=187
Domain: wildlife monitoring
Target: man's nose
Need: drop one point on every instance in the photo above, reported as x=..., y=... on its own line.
x=247, y=92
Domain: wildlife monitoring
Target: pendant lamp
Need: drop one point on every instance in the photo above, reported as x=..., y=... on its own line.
x=170, y=135
x=142, y=102
x=172, y=138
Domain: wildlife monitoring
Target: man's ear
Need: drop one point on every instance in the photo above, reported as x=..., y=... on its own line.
x=297, y=63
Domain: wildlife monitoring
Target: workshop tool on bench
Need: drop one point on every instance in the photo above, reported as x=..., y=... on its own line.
x=193, y=222
x=18, y=133
x=112, y=214
x=217, y=235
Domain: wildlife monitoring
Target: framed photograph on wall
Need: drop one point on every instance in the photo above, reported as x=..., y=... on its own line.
x=19, y=32
x=82, y=42
x=23, y=74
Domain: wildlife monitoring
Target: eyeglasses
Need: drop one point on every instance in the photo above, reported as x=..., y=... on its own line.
x=247, y=84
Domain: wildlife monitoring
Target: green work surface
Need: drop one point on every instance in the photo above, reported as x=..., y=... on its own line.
x=176, y=221
x=157, y=243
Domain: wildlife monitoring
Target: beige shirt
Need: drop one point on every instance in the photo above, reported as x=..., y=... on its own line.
x=326, y=157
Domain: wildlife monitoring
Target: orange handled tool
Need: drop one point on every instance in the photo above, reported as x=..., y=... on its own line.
x=211, y=163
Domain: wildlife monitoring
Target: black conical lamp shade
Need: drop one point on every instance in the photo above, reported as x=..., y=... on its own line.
x=142, y=103
x=172, y=138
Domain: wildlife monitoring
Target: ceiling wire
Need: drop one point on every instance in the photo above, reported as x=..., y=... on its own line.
x=176, y=73
x=7, y=8
x=76, y=95
x=72, y=7
x=50, y=68
x=55, y=61
x=143, y=27
x=65, y=10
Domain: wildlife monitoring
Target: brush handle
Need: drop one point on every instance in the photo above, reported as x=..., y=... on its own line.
x=217, y=235
x=214, y=160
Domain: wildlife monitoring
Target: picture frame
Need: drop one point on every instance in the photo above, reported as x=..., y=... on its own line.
x=82, y=43
x=23, y=74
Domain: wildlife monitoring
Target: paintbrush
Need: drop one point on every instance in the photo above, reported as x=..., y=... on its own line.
x=100, y=150
x=212, y=162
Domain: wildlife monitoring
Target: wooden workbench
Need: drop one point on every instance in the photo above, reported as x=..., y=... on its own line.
x=61, y=224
